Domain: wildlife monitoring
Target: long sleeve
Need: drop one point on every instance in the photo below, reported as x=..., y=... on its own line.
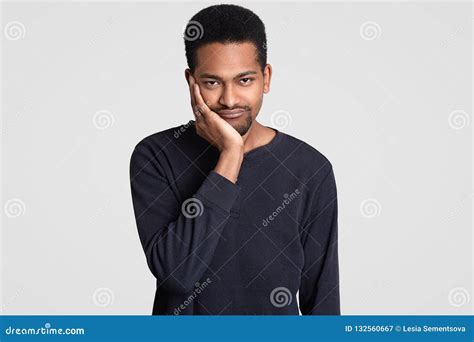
x=178, y=236
x=319, y=287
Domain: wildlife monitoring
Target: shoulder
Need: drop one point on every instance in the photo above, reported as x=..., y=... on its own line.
x=312, y=168
x=156, y=140
x=307, y=157
x=153, y=150
x=160, y=141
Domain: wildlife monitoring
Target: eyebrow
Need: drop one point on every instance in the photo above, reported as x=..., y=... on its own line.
x=242, y=74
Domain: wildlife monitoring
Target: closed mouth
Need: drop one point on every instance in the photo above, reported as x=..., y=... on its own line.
x=231, y=113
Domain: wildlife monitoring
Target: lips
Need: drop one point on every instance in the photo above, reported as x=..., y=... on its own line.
x=231, y=114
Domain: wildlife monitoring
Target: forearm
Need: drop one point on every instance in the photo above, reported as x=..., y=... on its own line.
x=178, y=234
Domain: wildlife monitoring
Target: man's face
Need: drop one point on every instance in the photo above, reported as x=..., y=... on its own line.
x=231, y=82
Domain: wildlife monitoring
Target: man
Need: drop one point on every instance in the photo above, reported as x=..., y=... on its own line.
x=234, y=217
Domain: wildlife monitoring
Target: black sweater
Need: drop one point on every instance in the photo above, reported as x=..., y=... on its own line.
x=219, y=248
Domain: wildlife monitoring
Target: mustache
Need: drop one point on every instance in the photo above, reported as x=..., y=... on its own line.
x=217, y=110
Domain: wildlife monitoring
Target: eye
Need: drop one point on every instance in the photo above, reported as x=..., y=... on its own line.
x=246, y=80
x=210, y=83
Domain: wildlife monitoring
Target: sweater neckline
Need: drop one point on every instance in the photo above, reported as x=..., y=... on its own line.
x=266, y=149
x=258, y=152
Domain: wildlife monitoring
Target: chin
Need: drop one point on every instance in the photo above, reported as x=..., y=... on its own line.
x=243, y=127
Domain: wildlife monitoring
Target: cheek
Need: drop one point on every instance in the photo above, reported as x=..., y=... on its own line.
x=210, y=96
x=255, y=99
x=252, y=96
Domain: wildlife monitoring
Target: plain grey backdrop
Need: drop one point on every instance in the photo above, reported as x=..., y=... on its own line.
x=384, y=90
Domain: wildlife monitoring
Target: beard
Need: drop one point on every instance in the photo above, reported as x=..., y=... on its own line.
x=243, y=124
x=244, y=127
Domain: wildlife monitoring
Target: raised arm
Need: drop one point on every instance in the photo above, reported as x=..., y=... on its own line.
x=178, y=236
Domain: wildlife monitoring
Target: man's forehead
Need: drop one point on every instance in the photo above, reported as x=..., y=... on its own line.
x=227, y=60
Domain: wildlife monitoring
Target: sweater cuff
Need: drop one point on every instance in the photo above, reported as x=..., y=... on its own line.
x=219, y=190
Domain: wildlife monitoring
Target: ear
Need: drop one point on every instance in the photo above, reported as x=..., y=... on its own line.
x=267, y=76
x=187, y=73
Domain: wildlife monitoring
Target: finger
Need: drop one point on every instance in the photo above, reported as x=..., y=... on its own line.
x=200, y=106
x=196, y=112
x=191, y=92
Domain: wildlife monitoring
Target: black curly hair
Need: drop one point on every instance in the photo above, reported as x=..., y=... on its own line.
x=224, y=24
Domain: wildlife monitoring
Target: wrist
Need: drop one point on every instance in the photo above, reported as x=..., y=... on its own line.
x=229, y=163
x=233, y=151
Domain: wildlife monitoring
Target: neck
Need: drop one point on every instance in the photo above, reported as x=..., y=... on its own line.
x=257, y=136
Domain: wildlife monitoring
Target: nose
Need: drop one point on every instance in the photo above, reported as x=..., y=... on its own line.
x=228, y=97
